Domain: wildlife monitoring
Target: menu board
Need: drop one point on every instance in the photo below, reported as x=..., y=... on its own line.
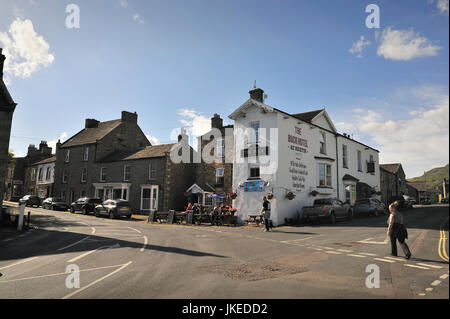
x=254, y=186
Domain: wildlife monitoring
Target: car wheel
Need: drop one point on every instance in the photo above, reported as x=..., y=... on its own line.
x=111, y=215
x=52, y=208
x=128, y=216
x=84, y=211
x=332, y=218
x=96, y=214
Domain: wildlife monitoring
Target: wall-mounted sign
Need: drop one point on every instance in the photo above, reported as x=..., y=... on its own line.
x=255, y=186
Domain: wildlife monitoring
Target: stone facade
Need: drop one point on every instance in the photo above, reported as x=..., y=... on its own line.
x=392, y=181
x=7, y=107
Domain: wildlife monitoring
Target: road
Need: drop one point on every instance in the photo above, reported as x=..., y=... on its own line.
x=129, y=259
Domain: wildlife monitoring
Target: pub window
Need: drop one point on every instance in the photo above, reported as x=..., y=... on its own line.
x=254, y=137
x=254, y=172
x=220, y=176
x=323, y=143
x=325, y=175
x=344, y=156
x=48, y=174
x=220, y=148
x=40, y=175
x=359, y=161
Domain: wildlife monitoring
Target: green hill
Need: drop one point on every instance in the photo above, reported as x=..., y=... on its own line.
x=434, y=177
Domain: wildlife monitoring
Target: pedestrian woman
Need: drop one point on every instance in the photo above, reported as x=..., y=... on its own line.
x=265, y=210
x=397, y=231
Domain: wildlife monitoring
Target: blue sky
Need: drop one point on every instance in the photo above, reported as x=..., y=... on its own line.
x=179, y=62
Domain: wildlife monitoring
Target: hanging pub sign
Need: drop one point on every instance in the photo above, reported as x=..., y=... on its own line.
x=254, y=186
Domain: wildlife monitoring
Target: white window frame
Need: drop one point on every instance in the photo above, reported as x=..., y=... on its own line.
x=40, y=171
x=220, y=148
x=323, y=143
x=330, y=175
x=151, y=172
x=359, y=157
x=153, y=205
x=64, y=178
x=220, y=175
x=83, y=175
x=33, y=174
x=125, y=177
x=86, y=154
x=254, y=166
x=344, y=156
x=48, y=174
x=67, y=157
x=254, y=137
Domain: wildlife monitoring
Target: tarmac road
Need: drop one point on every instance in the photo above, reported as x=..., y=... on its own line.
x=129, y=259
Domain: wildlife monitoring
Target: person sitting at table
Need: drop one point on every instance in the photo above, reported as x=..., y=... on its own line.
x=223, y=209
x=196, y=208
x=189, y=207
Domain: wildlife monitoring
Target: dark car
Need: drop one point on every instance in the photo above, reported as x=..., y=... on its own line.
x=444, y=201
x=403, y=204
x=369, y=206
x=113, y=208
x=30, y=200
x=425, y=201
x=54, y=203
x=85, y=205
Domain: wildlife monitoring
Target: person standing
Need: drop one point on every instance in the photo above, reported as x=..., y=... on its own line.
x=397, y=231
x=265, y=211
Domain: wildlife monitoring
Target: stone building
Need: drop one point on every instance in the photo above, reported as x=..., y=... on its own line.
x=39, y=178
x=214, y=180
x=19, y=183
x=393, y=181
x=7, y=107
x=115, y=160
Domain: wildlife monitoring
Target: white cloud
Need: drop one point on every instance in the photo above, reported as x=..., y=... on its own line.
x=419, y=142
x=138, y=18
x=195, y=124
x=404, y=45
x=26, y=51
x=358, y=47
x=153, y=140
x=442, y=5
x=124, y=3
x=52, y=143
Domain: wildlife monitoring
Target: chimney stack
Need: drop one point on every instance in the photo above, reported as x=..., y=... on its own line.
x=44, y=148
x=216, y=122
x=91, y=123
x=2, y=62
x=257, y=95
x=129, y=117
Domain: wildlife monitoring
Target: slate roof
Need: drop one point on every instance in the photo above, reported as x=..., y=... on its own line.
x=46, y=161
x=148, y=152
x=420, y=186
x=91, y=135
x=307, y=116
x=393, y=168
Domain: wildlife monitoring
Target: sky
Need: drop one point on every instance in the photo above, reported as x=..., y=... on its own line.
x=176, y=63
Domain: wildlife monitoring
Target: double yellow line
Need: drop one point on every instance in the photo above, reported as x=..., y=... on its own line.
x=442, y=251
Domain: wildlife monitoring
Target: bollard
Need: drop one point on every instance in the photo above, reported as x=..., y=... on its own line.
x=21, y=217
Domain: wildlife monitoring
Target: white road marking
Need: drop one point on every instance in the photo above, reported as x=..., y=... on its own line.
x=19, y=263
x=332, y=252
x=354, y=255
x=345, y=250
x=93, y=230
x=318, y=249
x=92, y=251
x=431, y=266
x=135, y=230
x=368, y=254
x=366, y=241
x=445, y=276
x=429, y=289
x=145, y=243
x=395, y=258
x=57, y=274
x=436, y=283
x=414, y=266
x=97, y=281
x=71, y=245
x=385, y=260
x=422, y=294
x=294, y=240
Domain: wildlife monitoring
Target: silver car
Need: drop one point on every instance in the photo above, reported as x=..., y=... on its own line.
x=369, y=206
x=113, y=208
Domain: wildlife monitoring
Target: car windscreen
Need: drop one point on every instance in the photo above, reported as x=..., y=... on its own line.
x=322, y=202
x=95, y=201
x=57, y=200
x=362, y=202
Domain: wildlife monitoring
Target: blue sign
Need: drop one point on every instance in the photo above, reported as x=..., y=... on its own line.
x=256, y=186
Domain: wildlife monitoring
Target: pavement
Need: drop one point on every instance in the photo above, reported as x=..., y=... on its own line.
x=133, y=259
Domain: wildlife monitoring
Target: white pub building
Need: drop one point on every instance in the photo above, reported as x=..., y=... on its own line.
x=296, y=158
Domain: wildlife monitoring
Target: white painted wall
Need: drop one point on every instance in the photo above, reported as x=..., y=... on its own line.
x=296, y=171
x=44, y=173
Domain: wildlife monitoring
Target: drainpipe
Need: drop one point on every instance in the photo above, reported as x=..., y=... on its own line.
x=337, y=166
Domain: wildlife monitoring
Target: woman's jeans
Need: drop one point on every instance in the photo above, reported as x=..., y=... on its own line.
x=394, y=237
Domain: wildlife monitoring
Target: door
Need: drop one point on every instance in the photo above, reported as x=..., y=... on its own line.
x=154, y=199
x=149, y=198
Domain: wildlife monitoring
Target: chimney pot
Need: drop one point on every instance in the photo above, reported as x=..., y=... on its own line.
x=91, y=123
x=257, y=95
x=129, y=117
x=216, y=121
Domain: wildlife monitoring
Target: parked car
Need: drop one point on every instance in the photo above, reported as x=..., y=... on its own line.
x=403, y=205
x=425, y=201
x=410, y=200
x=30, y=200
x=85, y=205
x=113, y=208
x=54, y=203
x=327, y=208
x=369, y=206
x=444, y=201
